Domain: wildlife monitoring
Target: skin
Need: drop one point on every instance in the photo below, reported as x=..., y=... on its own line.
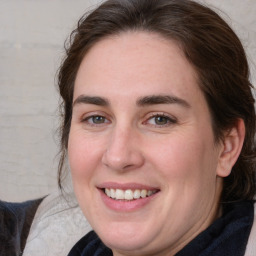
x=121, y=139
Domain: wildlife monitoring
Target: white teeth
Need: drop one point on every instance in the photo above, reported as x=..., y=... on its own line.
x=112, y=193
x=128, y=194
x=149, y=193
x=119, y=194
x=107, y=191
x=136, y=194
x=143, y=193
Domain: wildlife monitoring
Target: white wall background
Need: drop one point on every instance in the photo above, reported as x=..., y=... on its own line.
x=32, y=33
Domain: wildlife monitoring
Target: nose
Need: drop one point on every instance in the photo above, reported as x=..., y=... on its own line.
x=123, y=151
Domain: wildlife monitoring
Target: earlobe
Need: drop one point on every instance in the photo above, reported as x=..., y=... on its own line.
x=231, y=148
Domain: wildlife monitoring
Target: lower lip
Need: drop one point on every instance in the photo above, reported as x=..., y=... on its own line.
x=125, y=205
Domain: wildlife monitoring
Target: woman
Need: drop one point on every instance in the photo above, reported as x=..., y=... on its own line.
x=158, y=128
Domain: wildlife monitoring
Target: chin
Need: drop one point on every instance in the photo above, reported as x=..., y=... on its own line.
x=126, y=237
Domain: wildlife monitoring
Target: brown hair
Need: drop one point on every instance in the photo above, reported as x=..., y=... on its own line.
x=210, y=46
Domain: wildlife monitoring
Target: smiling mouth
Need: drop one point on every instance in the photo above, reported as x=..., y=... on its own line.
x=128, y=194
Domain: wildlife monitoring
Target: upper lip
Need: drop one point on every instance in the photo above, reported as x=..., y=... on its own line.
x=125, y=186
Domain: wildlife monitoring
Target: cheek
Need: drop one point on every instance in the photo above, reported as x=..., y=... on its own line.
x=184, y=159
x=188, y=169
x=84, y=155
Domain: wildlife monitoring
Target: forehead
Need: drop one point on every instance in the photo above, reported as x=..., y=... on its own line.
x=136, y=62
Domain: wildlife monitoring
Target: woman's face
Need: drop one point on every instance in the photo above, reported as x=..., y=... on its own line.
x=143, y=158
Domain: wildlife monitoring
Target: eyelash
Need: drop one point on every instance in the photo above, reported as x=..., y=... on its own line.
x=87, y=120
x=169, y=120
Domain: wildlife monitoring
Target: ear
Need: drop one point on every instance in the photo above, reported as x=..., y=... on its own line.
x=231, y=147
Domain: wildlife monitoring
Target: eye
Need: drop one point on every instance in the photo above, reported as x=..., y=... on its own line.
x=96, y=120
x=159, y=120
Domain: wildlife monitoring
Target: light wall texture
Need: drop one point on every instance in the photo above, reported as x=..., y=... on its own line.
x=32, y=35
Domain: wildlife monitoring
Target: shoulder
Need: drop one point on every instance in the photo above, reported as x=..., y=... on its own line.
x=15, y=221
x=58, y=224
x=251, y=245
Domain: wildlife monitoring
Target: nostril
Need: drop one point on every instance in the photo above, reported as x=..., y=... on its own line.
x=127, y=166
x=122, y=159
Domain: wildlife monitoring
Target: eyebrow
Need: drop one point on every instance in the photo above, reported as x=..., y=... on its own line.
x=141, y=102
x=161, y=99
x=99, y=101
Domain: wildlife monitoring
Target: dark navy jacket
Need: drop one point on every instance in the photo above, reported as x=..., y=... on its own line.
x=15, y=222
